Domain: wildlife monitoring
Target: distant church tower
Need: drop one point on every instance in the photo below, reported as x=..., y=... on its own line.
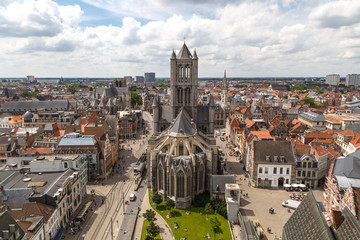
x=224, y=91
x=184, y=82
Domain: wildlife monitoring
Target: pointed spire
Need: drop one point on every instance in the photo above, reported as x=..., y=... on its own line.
x=224, y=84
x=173, y=55
x=155, y=102
x=184, y=52
x=195, y=54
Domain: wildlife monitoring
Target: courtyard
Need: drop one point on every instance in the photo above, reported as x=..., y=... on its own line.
x=260, y=200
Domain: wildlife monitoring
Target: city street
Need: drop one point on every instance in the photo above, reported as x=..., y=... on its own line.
x=110, y=217
x=259, y=200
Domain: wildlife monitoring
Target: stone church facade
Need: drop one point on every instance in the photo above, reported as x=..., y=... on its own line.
x=182, y=153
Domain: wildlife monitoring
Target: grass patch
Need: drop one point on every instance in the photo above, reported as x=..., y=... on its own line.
x=193, y=226
x=144, y=232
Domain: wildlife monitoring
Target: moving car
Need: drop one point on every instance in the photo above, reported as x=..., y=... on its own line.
x=132, y=197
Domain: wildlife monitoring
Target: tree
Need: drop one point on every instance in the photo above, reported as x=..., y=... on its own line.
x=135, y=99
x=208, y=209
x=309, y=101
x=27, y=94
x=170, y=204
x=157, y=198
x=149, y=215
x=285, y=97
x=153, y=229
x=215, y=225
x=149, y=237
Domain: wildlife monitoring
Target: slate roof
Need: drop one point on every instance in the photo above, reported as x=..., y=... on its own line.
x=349, y=228
x=202, y=114
x=15, y=106
x=273, y=148
x=221, y=180
x=111, y=91
x=307, y=222
x=347, y=170
x=5, y=221
x=313, y=117
x=184, y=53
x=182, y=126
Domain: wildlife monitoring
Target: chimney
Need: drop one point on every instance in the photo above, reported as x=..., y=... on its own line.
x=337, y=217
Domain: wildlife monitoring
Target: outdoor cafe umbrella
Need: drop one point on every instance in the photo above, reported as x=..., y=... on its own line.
x=301, y=185
x=287, y=185
x=295, y=185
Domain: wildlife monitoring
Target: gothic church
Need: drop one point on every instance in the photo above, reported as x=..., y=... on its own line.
x=182, y=153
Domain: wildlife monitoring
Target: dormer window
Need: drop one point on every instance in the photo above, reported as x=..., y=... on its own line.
x=268, y=158
x=282, y=158
x=276, y=159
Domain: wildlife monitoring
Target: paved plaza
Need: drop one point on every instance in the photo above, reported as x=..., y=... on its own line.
x=258, y=202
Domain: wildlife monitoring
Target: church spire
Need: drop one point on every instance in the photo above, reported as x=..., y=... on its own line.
x=195, y=54
x=173, y=55
x=224, y=84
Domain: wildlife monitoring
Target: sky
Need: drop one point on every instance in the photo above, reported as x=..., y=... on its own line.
x=115, y=38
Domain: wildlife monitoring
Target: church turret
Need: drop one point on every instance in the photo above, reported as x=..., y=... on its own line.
x=156, y=111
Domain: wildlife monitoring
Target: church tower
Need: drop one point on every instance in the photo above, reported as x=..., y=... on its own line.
x=184, y=82
x=224, y=91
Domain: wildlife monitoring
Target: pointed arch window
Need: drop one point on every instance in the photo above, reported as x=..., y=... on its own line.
x=188, y=183
x=181, y=148
x=180, y=73
x=160, y=177
x=172, y=183
x=201, y=177
x=180, y=184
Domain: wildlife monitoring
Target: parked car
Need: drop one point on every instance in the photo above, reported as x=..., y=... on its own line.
x=222, y=138
x=291, y=204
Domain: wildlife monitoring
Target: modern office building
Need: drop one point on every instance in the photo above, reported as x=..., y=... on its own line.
x=139, y=79
x=149, y=77
x=333, y=79
x=352, y=80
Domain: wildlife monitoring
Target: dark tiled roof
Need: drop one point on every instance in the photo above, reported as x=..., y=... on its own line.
x=307, y=222
x=349, y=228
x=182, y=127
x=24, y=106
x=273, y=148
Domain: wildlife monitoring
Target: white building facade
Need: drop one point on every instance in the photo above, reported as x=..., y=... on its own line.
x=273, y=175
x=333, y=79
x=352, y=80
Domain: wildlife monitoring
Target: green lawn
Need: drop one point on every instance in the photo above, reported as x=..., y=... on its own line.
x=144, y=232
x=197, y=225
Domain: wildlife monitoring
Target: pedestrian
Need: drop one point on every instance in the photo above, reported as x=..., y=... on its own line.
x=247, y=195
x=248, y=184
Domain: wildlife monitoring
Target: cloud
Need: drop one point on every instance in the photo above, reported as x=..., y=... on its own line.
x=36, y=18
x=336, y=14
x=248, y=38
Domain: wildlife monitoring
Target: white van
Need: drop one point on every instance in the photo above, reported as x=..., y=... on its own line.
x=291, y=204
x=132, y=197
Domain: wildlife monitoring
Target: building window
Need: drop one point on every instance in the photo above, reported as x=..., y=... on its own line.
x=287, y=171
x=188, y=183
x=260, y=170
x=313, y=174
x=287, y=181
x=309, y=174
x=281, y=170
x=299, y=173
x=160, y=178
x=275, y=170
x=303, y=173
x=266, y=170
x=180, y=180
x=172, y=190
x=65, y=165
x=201, y=177
x=304, y=165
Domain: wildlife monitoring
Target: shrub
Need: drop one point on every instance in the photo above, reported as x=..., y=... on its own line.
x=201, y=199
x=215, y=225
x=220, y=207
x=149, y=237
x=170, y=204
x=157, y=198
x=208, y=209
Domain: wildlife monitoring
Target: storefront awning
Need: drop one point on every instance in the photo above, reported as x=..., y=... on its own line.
x=84, y=210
